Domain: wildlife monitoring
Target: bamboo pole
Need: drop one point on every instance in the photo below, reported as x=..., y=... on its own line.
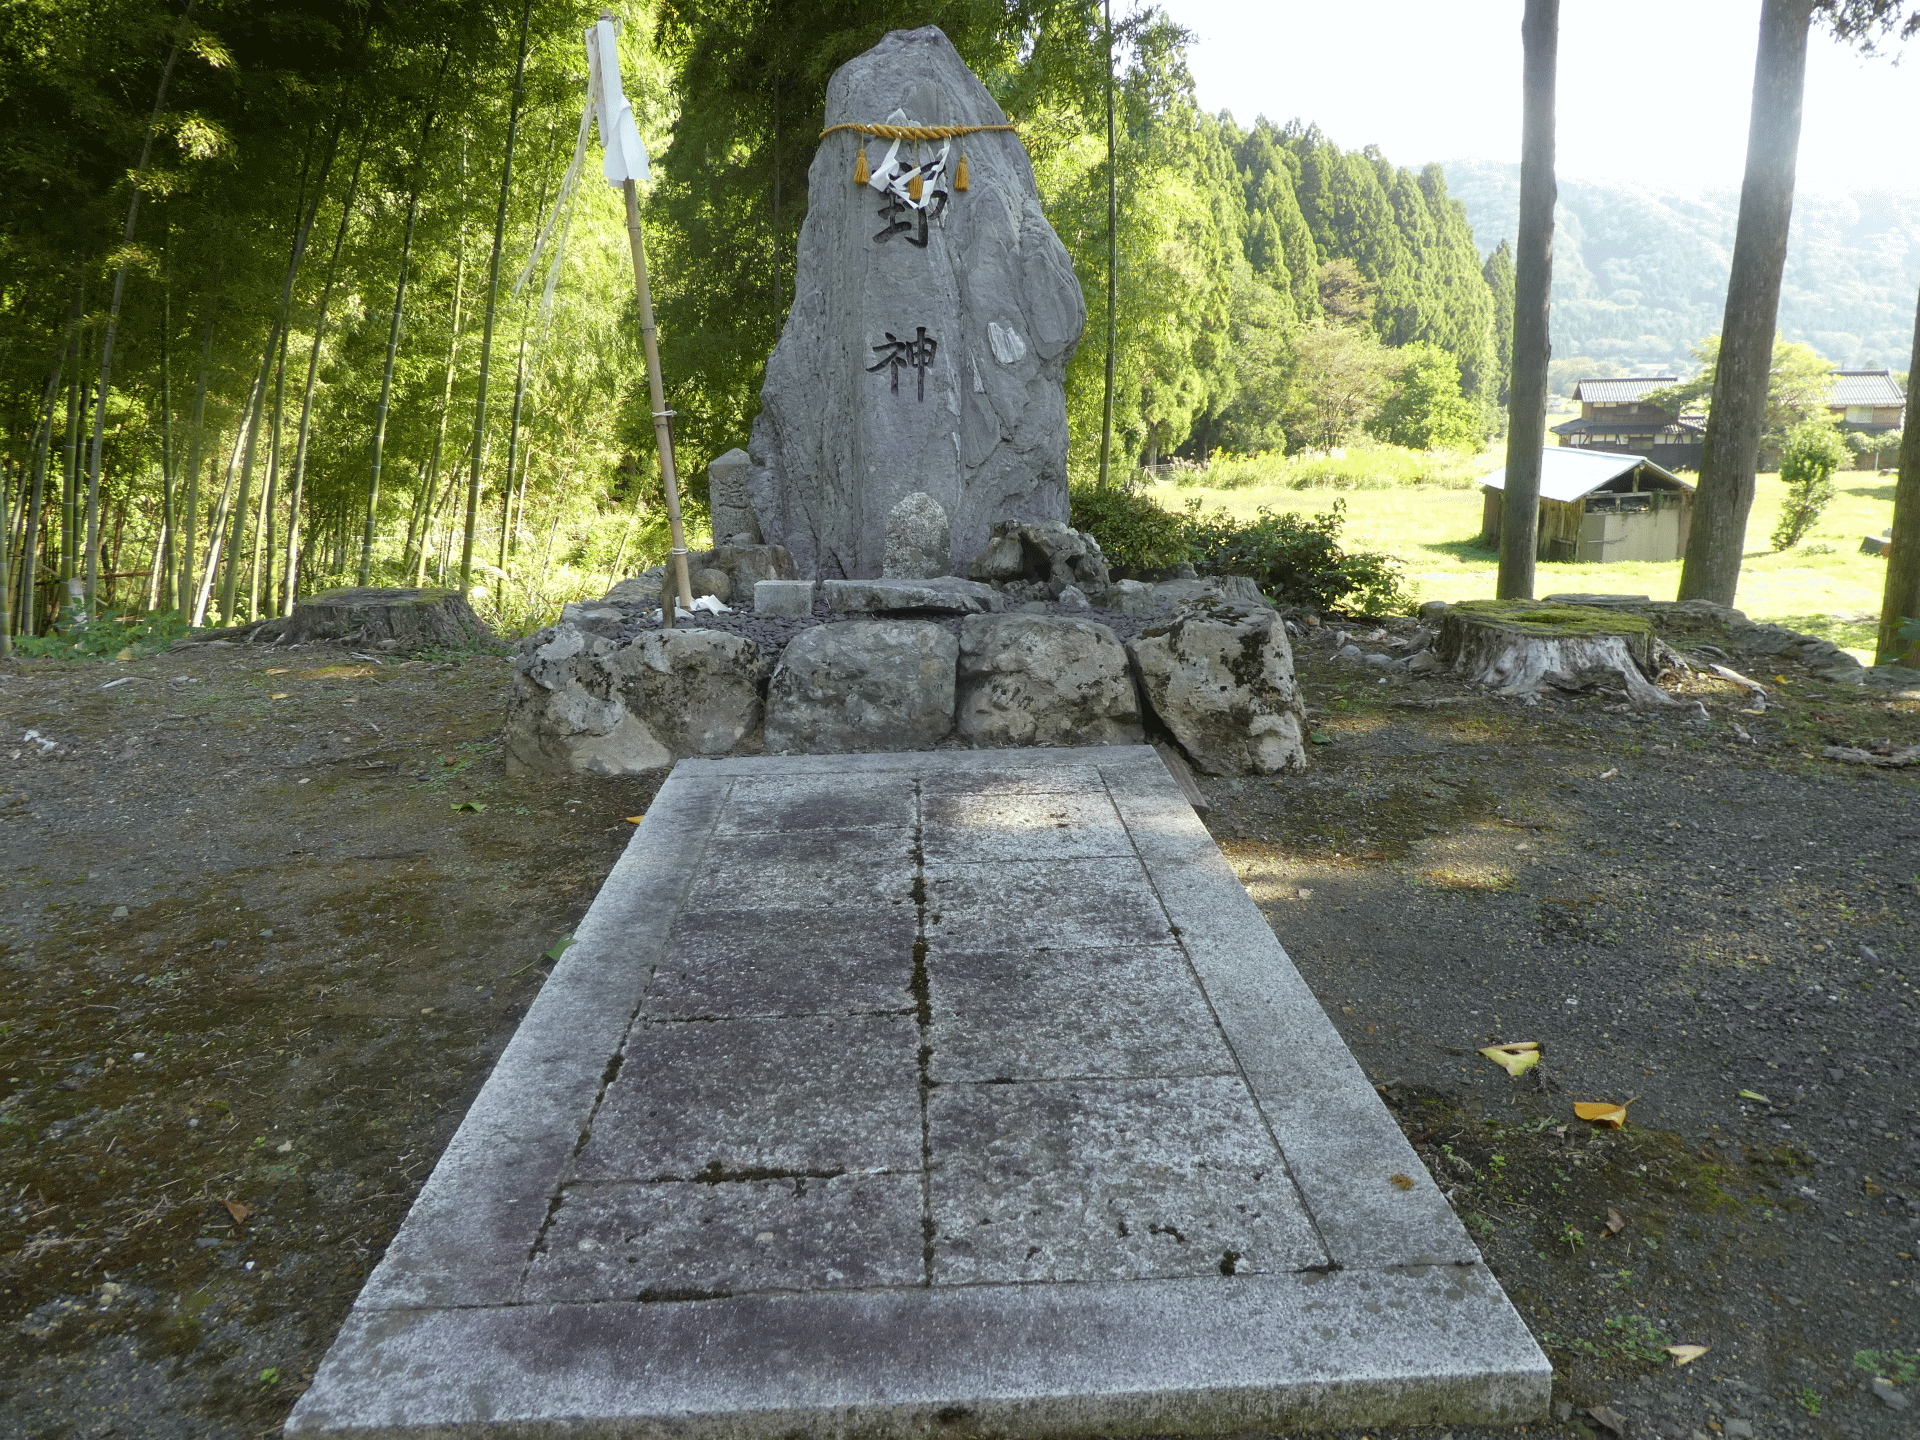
x=662, y=417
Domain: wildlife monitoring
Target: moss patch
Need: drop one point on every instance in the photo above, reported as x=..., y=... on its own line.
x=1530, y=617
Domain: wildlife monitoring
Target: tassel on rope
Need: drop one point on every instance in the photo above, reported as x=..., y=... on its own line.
x=860, y=171
x=960, y=174
x=915, y=186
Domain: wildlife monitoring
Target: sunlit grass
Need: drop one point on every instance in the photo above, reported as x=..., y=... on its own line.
x=1824, y=586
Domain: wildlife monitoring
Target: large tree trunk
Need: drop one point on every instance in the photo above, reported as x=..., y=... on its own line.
x=1902, y=598
x=1517, y=648
x=1731, y=453
x=493, y=296
x=393, y=619
x=1532, y=294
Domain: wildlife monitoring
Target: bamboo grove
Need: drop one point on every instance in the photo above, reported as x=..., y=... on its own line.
x=300, y=293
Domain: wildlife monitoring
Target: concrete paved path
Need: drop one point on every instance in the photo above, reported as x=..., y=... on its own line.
x=948, y=1092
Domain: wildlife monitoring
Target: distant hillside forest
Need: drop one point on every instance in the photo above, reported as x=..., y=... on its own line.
x=1640, y=274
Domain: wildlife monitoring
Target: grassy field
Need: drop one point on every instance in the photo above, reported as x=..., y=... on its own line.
x=1824, y=586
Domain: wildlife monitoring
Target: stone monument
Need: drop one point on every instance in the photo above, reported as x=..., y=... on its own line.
x=728, y=501
x=935, y=314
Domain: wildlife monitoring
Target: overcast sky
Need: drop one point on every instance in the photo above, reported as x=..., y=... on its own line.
x=1657, y=90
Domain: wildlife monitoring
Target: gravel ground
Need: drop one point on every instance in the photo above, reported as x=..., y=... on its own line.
x=254, y=965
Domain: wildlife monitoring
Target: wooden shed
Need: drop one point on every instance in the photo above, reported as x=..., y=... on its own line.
x=1598, y=507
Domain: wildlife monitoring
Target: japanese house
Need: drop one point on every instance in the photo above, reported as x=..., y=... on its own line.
x=1871, y=403
x=1600, y=506
x=1616, y=418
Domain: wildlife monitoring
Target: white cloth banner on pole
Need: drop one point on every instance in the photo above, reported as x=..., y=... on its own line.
x=626, y=157
x=560, y=203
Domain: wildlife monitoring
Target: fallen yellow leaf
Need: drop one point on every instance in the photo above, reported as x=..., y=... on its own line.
x=238, y=1209
x=337, y=672
x=282, y=695
x=635, y=819
x=1515, y=1059
x=278, y=670
x=1687, y=1354
x=1603, y=1112
x=1401, y=1182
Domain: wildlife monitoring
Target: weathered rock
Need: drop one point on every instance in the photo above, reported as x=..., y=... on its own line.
x=1135, y=597
x=747, y=565
x=370, y=616
x=1043, y=680
x=697, y=690
x=642, y=589
x=578, y=702
x=562, y=715
x=1220, y=678
x=919, y=541
x=863, y=685
x=1042, y=560
x=947, y=594
x=708, y=581
x=927, y=347
x=728, y=501
x=602, y=619
x=783, y=597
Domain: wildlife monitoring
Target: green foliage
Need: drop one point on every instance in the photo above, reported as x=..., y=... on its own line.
x=1814, y=451
x=1134, y=533
x=107, y=638
x=1635, y=1337
x=1895, y=1365
x=1296, y=559
x=1366, y=465
x=1336, y=380
x=1498, y=273
x=1425, y=410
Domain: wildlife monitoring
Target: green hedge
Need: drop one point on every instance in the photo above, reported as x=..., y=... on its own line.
x=1295, y=559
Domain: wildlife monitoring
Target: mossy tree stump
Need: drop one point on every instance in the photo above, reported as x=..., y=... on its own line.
x=393, y=619
x=1516, y=646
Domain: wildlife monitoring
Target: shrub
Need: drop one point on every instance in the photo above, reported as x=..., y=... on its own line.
x=1297, y=559
x=1134, y=533
x=109, y=637
x=1813, y=452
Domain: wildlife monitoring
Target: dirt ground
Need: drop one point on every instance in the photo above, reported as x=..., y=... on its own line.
x=258, y=960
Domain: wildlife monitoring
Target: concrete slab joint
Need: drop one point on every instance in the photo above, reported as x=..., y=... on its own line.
x=883, y=1090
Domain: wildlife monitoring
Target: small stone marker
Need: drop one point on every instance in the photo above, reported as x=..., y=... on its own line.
x=727, y=499
x=919, y=542
x=928, y=344
x=783, y=597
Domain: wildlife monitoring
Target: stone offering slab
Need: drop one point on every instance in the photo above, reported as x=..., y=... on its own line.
x=881, y=1094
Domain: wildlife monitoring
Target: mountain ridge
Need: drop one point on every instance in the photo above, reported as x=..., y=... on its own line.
x=1640, y=272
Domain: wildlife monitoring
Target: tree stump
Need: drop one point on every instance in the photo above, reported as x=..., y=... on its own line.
x=1516, y=646
x=392, y=619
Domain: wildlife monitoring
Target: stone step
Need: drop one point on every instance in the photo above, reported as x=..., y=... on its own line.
x=899, y=1092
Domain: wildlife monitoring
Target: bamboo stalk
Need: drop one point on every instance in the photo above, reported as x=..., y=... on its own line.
x=662, y=417
x=493, y=296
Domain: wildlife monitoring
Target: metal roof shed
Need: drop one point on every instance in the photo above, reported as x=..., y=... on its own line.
x=1600, y=507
